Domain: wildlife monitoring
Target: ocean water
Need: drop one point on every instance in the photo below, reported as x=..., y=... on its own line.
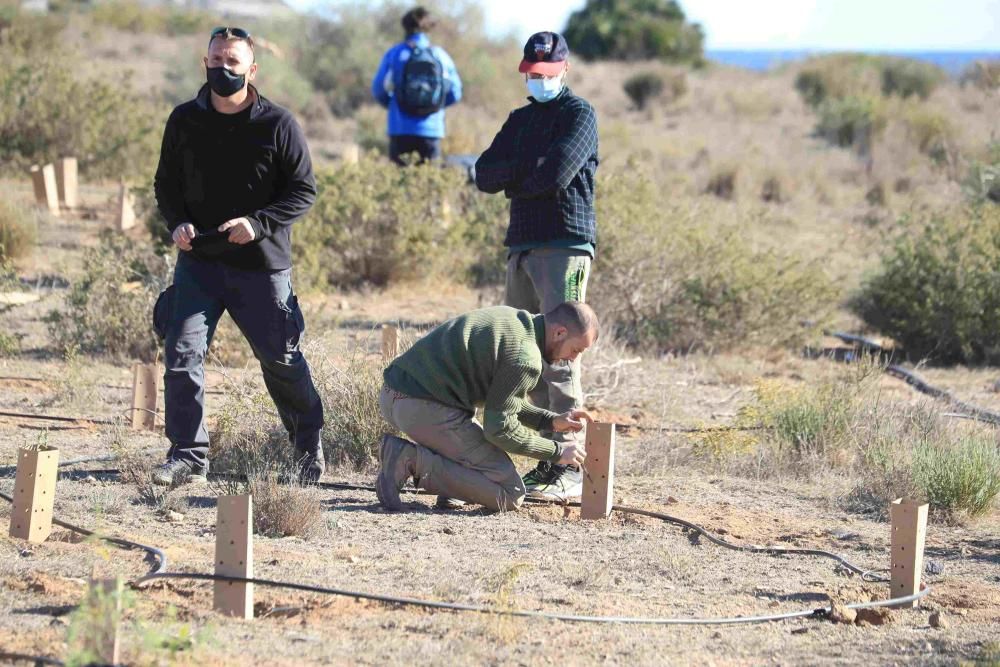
x=951, y=61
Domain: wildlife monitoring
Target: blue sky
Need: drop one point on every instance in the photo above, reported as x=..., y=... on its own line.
x=972, y=25
x=790, y=24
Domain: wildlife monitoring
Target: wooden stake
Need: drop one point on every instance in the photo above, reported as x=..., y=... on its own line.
x=351, y=154
x=46, y=193
x=66, y=180
x=145, y=395
x=126, y=211
x=599, y=472
x=104, y=602
x=390, y=342
x=34, y=494
x=234, y=555
x=909, y=530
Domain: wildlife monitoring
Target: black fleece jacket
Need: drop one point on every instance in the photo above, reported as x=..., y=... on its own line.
x=216, y=167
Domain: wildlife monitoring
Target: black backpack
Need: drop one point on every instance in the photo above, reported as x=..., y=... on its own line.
x=422, y=90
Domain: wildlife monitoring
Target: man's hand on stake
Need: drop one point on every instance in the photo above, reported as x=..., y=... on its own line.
x=183, y=234
x=573, y=454
x=240, y=231
x=571, y=421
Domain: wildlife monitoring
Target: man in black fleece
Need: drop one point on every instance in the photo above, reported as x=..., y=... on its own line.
x=544, y=159
x=234, y=174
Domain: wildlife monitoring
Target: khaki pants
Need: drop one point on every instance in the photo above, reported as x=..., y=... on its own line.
x=538, y=281
x=454, y=458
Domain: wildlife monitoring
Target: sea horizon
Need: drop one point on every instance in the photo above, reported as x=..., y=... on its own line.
x=952, y=61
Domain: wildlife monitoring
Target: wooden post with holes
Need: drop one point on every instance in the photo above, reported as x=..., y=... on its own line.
x=909, y=530
x=390, y=342
x=234, y=555
x=104, y=599
x=145, y=395
x=66, y=181
x=599, y=472
x=34, y=494
x=46, y=193
x=126, y=211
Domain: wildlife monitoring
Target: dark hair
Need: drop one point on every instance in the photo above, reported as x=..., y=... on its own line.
x=576, y=316
x=417, y=19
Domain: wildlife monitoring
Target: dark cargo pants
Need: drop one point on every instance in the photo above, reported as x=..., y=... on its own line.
x=264, y=307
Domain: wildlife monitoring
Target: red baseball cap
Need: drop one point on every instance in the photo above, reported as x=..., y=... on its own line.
x=545, y=53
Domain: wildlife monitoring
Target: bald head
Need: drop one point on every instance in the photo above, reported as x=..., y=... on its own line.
x=570, y=328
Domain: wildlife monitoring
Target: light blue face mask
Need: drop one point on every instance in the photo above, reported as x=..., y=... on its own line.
x=545, y=90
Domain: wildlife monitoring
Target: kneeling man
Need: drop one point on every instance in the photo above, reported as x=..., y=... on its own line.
x=490, y=358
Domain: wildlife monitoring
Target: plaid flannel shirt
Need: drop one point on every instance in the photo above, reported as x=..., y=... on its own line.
x=544, y=158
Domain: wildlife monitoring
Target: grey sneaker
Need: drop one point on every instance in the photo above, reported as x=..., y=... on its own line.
x=554, y=482
x=311, y=467
x=396, y=459
x=446, y=503
x=176, y=471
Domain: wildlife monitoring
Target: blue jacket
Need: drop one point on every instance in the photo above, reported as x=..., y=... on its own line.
x=389, y=77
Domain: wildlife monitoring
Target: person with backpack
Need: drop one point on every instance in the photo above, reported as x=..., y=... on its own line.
x=544, y=159
x=415, y=82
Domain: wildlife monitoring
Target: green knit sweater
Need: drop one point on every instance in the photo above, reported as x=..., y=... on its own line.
x=491, y=358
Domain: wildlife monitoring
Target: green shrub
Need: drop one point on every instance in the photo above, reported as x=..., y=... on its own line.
x=850, y=121
x=643, y=87
x=48, y=110
x=982, y=185
x=249, y=440
x=964, y=477
x=837, y=76
x=843, y=75
x=134, y=17
x=937, y=291
x=905, y=77
x=672, y=277
x=932, y=132
x=983, y=74
x=635, y=30
x=108, y=309
x=18, y=230
x=376, y=223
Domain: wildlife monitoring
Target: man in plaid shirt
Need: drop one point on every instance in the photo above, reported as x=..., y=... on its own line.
x=544, y=159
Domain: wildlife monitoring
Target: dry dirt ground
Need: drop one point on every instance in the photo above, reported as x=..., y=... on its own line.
x=540, y=558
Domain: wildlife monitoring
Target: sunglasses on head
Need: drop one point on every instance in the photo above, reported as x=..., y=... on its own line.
x=234, y=33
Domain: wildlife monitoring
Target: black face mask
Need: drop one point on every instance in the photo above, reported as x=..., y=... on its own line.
x=223, y=82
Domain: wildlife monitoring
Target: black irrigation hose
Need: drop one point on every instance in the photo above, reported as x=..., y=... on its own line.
x=158, y=572
x=57, y=418
x=36, y=659
x=915, y=381
x=154, y=553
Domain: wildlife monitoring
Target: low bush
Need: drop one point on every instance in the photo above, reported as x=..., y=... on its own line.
x=42, y=117
x=722, y=182
x=905, y=77
x=937, y=291
x=983, y=74
x=134, y=17
x=643, y=87
x=682, y=277
x=666, y=84
x=249, y=440
x=982, y=184
x=963, y=477
x=108, y=309
x=376, y=223
x=932, y=133
x=851, y=121
x=832, y=77
x=18, y=230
